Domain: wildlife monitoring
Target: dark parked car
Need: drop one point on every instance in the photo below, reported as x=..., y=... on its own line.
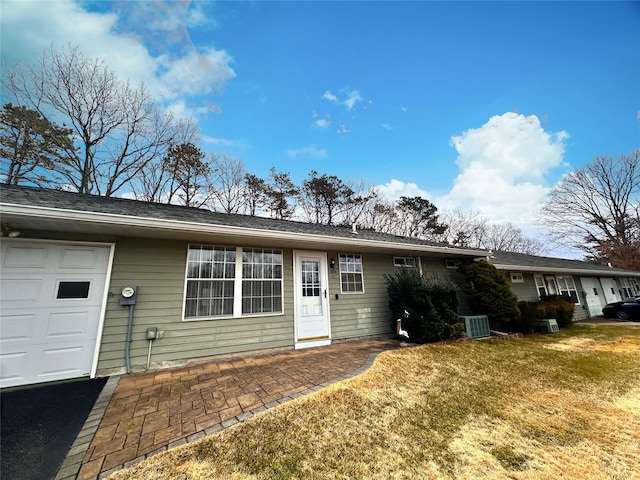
x=626, y=310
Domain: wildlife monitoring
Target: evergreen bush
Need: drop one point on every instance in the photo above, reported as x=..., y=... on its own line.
x=431, y=303
x=490, y=294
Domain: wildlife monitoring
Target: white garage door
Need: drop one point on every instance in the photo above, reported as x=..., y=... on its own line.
x=594, y=295
x=610, y=290
x=51, y=297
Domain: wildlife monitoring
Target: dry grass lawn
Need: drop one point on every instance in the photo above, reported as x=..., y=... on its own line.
x=562, y=406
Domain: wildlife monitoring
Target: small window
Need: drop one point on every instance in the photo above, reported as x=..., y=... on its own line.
x=517, y=278
x=67, y=290
x=351, y=273
x=453, y=263
x=407, y=262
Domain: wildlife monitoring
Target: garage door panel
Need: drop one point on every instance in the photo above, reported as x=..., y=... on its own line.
x=18, y=291
x=13, y=367
x=23, y=256
x=65, y=326
x=62, y=362
x=78, y=258
x=16, y=329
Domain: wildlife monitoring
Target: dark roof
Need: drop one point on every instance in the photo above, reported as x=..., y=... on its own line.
x=41, y=197
x=503, y=260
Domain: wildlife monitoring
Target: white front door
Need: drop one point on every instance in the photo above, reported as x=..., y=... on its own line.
x=594, y=295
x=312, y=327
x=51, y=303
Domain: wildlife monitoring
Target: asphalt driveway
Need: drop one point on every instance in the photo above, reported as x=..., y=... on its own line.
x=39, y=424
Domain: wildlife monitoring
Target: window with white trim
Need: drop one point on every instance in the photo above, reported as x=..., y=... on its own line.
x=453, y=263
x=261, y=280
x=351, y=279
x=629, y=287
x=568, y=288
x=557, y=285
x=216, y=288
x=540, y=285
x=409, y=262
x=516, y=277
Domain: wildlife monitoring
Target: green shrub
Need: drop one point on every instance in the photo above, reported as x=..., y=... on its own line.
x=529, y=315
x=490, y=294
x=431, y=303
x=550, y=306
x=559, y=307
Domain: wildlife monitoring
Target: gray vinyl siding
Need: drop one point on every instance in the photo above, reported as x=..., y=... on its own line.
x=527, y=291
x=158, y=269
x=361, y=314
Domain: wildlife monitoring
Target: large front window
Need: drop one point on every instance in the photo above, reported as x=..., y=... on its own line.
x=216, y=288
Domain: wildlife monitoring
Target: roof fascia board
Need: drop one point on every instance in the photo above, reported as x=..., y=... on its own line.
x=181, y=226
x=572, y=271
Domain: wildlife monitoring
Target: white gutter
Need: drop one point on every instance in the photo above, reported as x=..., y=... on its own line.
x=572, y=271
x=182, y=226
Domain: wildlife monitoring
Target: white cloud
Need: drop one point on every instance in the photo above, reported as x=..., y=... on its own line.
x=386, y=126
x=503, y=168
x=323, y=123
x=352, y=98
x=223, y=142
x=311, y=151
x=30, y=27
x=198, y=72
x=396, y=188
x=330, y=96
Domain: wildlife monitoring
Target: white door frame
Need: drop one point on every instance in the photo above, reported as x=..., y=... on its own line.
x=322, y=334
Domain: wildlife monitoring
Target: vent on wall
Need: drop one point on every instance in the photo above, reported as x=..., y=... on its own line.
x=476, y=326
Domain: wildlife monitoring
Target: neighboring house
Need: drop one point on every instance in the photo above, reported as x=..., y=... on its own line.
x=211, y=284
x=589, y=285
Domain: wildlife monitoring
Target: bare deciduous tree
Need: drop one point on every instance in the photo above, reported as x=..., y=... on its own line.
x=155, y=178
x=596, y=209
x=227, y=175
x=363, y=200
x=473, y=230
x=117, y=127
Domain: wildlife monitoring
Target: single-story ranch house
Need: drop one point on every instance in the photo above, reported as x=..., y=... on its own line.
x=589, y=285
x=94, y=286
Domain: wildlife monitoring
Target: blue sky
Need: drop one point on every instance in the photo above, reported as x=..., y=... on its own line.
x=479, y=105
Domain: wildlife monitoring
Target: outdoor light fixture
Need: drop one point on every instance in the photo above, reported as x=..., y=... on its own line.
x=332, y=264
x=7, y=231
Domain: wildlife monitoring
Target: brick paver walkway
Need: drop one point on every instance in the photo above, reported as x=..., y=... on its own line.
x=151, y=412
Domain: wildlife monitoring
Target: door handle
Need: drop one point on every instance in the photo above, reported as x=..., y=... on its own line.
x=325, y=293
